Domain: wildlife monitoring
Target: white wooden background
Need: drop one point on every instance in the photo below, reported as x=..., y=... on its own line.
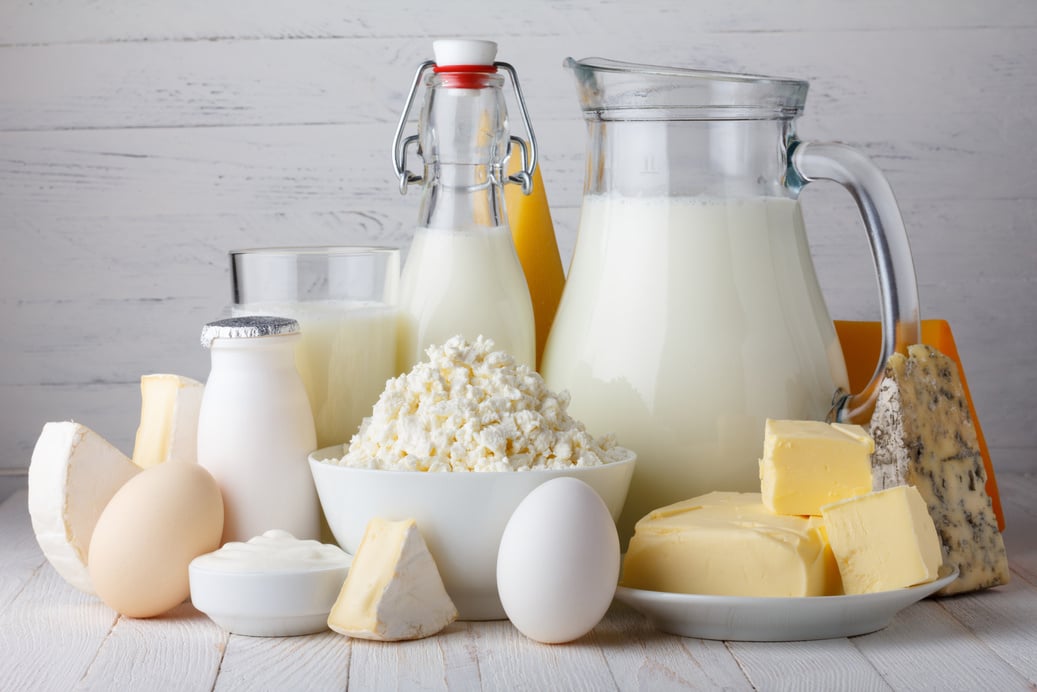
x=140, y=140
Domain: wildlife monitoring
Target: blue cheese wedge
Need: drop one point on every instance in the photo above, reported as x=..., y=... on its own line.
x=924, y=437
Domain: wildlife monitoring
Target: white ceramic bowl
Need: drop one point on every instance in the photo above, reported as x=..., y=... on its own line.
x=274, y=603
x=460, y=515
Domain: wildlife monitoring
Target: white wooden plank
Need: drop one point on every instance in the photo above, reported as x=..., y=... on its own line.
x=22, y=21
x=642, y=658
x=461, y=658
x=22, y=558
x=11, y=481
x=509, y=660
x=978, y=641
x=1019, y=500
x=51, y=634
x=180, y=650
x=864, y=95
x=945, y=655
x=829, y=664
x=312, y=662
x=1003, y=619
x=414, y=665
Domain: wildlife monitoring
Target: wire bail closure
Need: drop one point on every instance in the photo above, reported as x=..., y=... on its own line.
x=527, y=149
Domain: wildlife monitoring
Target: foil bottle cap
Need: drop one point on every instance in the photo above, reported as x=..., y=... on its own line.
x=247, y=327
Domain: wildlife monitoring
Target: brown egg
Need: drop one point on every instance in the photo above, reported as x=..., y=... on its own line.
x=149, y=532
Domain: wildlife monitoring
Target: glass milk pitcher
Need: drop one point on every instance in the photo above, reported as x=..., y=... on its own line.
x=692, y=311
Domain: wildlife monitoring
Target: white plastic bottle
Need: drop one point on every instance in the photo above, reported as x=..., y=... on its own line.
x=255, y=428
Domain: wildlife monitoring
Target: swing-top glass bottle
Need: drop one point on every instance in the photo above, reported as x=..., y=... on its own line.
x=462, y=274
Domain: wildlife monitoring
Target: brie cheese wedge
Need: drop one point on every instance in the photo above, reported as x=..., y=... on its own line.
x=168, y=420
x=73, y=474
x=393, y=590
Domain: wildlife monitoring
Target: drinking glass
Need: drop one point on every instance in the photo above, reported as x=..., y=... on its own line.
x=345, y=300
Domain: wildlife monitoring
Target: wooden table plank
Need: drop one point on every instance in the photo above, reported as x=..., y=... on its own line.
x=22, y=558
x=944, y=654
x=180, y=650
x=1005, y=620
x=319, y=661
x=509, y=660
x=53, y=637
x=642, y=657
x=829, y=664
x=51, y=634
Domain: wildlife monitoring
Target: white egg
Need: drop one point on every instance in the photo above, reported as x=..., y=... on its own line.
x=558, y=563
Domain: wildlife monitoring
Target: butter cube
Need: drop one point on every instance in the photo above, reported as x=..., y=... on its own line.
x=729, y=544
x=807, y=464
x=883, y=540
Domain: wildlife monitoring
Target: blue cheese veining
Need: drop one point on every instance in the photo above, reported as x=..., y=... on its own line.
x=924, y=437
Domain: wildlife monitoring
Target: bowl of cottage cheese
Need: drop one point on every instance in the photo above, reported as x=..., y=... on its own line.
x=456, y=444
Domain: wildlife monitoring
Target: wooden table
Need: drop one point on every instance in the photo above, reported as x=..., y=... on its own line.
x=54, y=638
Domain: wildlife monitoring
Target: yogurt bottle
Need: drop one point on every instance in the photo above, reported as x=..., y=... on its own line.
x=255, y=428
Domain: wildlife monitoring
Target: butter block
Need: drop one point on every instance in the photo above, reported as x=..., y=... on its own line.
x=73, y=474
x=729, y=544
x=393, y=590
x=168, y=427
x=883, y=540
x=807, y=464
x=924, y=437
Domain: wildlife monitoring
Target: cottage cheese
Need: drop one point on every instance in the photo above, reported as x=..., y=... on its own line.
x=471, y=408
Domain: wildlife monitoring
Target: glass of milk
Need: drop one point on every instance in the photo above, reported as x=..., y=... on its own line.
x=345, y=300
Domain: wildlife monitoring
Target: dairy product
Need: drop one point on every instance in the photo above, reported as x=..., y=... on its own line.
x=466, y=282
x=273, y=551
x=924, y=437
x=255, y=429
x=73, y=474
x=346, y=353
x=807, y=464
x=393, y=590
x=168, y=427
x=273, y=585
x=532, y=231
x=470, y=407
x=684, y=324
x=729, y=544
x=883, y=540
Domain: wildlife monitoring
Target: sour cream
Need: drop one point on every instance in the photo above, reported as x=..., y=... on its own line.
x=274, y=551
x=273, y=585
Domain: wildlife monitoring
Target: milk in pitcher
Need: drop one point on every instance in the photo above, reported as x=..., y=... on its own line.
x=668, y=258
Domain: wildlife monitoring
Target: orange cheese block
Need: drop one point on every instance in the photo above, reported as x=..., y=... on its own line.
x=861, y=343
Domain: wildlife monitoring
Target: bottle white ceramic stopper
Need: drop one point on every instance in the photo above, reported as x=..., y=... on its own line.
x=463, y=51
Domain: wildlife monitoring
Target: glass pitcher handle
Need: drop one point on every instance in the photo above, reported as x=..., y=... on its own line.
x=898, y=290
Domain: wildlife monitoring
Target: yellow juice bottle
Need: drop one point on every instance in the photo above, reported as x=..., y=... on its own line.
x=534, y=237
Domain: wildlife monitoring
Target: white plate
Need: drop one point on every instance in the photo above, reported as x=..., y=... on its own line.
x=755, y=619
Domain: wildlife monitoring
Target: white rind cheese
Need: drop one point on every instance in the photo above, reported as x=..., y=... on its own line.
x=393, y=591
x=924, y=437
x=73, y=474
x=168, y=420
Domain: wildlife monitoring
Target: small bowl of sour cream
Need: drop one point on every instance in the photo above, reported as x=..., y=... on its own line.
x=274, y=585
